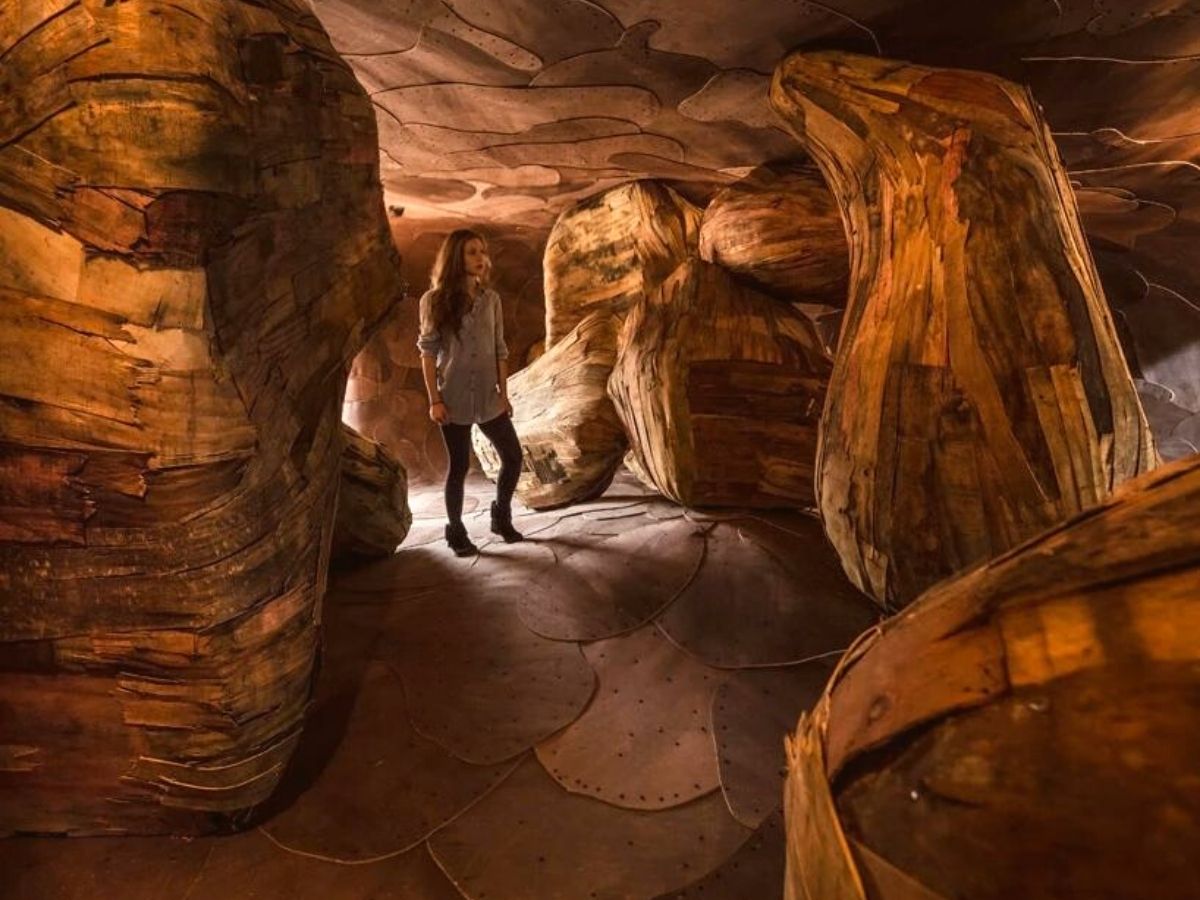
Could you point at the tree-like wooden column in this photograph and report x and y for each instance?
(780, 228)
(571, 436)
(1028, 729)
(192, 246)
(612, 249)
(979, 393)
(720, 390)
(372, 511)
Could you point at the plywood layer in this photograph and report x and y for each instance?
(780, 228)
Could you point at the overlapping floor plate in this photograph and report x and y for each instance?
(750, 607)
(246, 865)
(751, 713)
(644, 742)
(529, 838)
(754, 872)
(386, 788)
(477, 680)
(613, 586)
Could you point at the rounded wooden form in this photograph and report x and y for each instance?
(1028, 729)
(720, 389)
(372, 509)
(192, 246)
(571, 437)
(979, 394)
(610, 250)
(780, 228)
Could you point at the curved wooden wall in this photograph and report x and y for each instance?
(192, 246)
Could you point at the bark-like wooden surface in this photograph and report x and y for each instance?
(720, 389)
(571, 436)
(1045, 744)
(372, 512)
(192, 246)
(780, 228)
(609, 251)
(980, 394)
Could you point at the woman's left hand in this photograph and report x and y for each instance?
(507, 406)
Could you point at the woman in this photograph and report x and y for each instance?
(465, 364)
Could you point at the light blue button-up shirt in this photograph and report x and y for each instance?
(466, 362)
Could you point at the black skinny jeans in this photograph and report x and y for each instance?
(457, 439)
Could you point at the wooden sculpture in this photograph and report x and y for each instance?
(372, 511)
(720, 390)
(192, 245)
(780, 228)
(570, 433)
(1028, 729)
(979, 394)
(613, 248)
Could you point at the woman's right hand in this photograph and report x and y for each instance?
(439, 413)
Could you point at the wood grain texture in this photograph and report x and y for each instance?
(780, 228)
(372, 509)
(1045, 744)
(720, 389)
(192, 247)
(571, 436)
(980, 394)
(612, 249)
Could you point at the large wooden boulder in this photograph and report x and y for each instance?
(780, 228)
(192, 246)
(572, 438)
(1029, 729)
(979, 394)
(720, 390)
(372, 511)
(610, 250)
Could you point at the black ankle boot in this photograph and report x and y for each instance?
(503, 526)
(456, 537)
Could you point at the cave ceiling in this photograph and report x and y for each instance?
(508, 111)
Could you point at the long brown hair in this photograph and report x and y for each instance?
(448, 280)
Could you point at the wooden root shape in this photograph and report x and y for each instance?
(372, 513)
(979, 393)
(570, 434)
(779, 228)
(720, 389)
(1029, 729)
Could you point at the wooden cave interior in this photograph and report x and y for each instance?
(855, 354)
